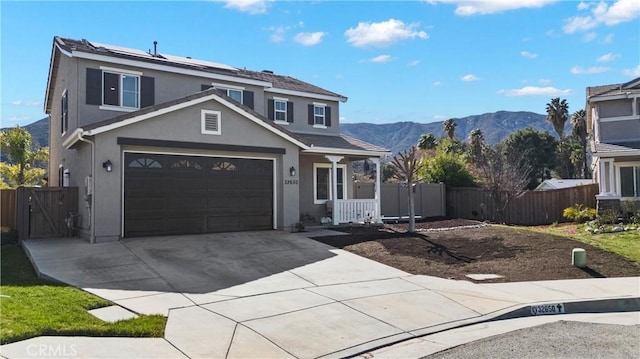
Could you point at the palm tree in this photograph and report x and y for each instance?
(579, 122)
(476, 142)
(427, 141)
(450, 127)
(557, 115)
(17, 145)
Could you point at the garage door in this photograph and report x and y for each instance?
(172, 194)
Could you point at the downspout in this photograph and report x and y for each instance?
(89, 197)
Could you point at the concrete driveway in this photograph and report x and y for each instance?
(275, 294)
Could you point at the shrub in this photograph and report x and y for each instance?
(608, 216)
(579, 213)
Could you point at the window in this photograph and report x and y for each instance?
(64, 113)
(210, 122)
(322, 182)
(121, 90)
(630, 181)
(144, 163)
(235, 94)
(318, 115)
(280, 108)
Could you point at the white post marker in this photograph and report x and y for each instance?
(579, 257)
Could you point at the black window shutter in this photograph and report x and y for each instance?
(289, 111)
(222, 92)
(270, 106)
(111, 89)
(147, 91)
(247, 97)
(311, 115)
(205, 87)
(94, 87)
(327, 116)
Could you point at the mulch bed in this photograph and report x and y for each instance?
(517, 255)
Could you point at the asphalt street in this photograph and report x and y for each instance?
(563, 339)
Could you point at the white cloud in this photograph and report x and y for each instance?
(413, 63)
(381, 34)
(583, 6)
(25, 103)
(528, 54)
(577, 70)
(544, 81)
(252, 7)
(470, 7)
(534, 91)
(309, 38)
(439, 117)
(607, 57)
(609, 15)
(278, 33)
(590, 36)
(17, 119)
(437, 83)
(633, 72)
(608, 39)
(470, 77)
(381, 59)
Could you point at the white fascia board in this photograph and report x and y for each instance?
(260, 122)
(53, 53)
(342, 151)
(619, 118)
(72, 138)
(616, 154)
(622, 96)
(168, 68)
(305, 94)
(145, 116)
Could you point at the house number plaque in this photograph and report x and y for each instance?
(291, 181)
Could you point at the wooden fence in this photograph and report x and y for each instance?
(532, 208)
(429, 198)
(8, 208)
(46, 212)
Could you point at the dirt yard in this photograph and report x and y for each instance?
(517, 255)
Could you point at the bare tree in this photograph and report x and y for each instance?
(407, 166)
(505, 175)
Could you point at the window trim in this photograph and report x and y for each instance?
(203, 129)
(121, 73)
(324, 115)
(315, 181)
(64, 112)
(276, 111)
(238, 90)
(634, 165)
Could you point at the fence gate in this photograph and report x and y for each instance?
(46, 212)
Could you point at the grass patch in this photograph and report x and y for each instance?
(625, 244)
(30, 307)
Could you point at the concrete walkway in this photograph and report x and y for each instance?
(279, 295)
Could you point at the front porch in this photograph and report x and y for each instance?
(618, 179)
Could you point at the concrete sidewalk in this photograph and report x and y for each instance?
(313, 301)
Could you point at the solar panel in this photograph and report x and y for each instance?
(121, 50)
(193, 62)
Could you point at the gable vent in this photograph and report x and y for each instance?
(210, 122)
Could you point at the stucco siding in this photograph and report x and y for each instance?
(615, 108)
(185, 125)
(307, 205)
(301, 114)
(620, 131)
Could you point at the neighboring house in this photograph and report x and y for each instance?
(161, 144)
(551, 184)
(613, 122)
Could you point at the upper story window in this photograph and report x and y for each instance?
(319, 115)
(280, 110)
(235, 94)
(64, 112)
(116, 89)
(238, 94)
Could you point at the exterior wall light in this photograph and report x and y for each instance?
(107, 165)
(292, 171)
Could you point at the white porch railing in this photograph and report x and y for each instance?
(355, 210)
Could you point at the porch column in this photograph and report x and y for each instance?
(334, 185)
(601, 177)
(612, 185)
(376, 196)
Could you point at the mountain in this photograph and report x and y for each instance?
(39, 131)
(402, 135)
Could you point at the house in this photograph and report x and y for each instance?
(554, 183)
(613, 122)
(161, 144)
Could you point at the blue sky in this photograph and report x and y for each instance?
(418, 61)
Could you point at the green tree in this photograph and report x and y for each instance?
(448, 168)
(579, 122)
(451, 145)
(449, 127)
(407, 166)
(427, 141)
(17, 144)
(537, 150)
(476, 143)
(557, 115)
(569, 158)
